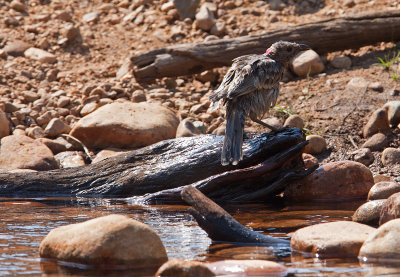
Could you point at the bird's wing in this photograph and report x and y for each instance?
(254, 72)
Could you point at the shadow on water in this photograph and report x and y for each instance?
(25, 222)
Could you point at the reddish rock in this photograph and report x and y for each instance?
(369, 212)
(16, 48)
(247, 268)
(106, 153)
(331, 240)
(309, 160)
(70, 159)
(383, 190)
(383, 245)
(56, 145)
(390, 156)
(294, 121)
(125, 125)
(391, 209)
(4, 125)
(24, 152)
(107, 240)
(181, 268)
(333, 181)
(378, 122)
(377, 142)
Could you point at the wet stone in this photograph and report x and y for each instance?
(383, 190)
(369, 212)
(181, 268)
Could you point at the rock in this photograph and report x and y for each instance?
(205, 18)
(383, 245)
(378, 122)
(357, 84)
(391, 209)
(369, 212)
(294, 121)
(186, 128)
(138, 96)
(90, 17)
(35, 132)
(218, 29)
(316, 144)
(107, 153)
(307, 62)
(309, 160)
(71, 32)
(341, 239)
(16, 48)
(181, 268)
(167, 7)
(40, 55)
(334, 181)
(383, 190)
(108, 240)
(89, 108)
(18, 6)
(390, 156)
(4, 125)
(341, 62)
(247, 268)
(56, 145)
(276, 5)
(207, 76)
(56, 127)
(125, 125)
(376, 86)
(26, 153)
(70, 159)
(124, 69)
(63, 15)
(364, 156)
(393, 112)
(186, 8)
(377, 142)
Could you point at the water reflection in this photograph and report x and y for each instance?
(25, 222)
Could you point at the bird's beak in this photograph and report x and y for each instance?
(304, 47)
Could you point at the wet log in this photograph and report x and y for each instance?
(164, 165)
(347, 32)
(220, 225)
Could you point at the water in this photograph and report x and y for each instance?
(25, 222)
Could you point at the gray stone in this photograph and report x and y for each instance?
(187, 128)
(364, 156)
(307, 62)
(205, 18)
(90, 17)
(341, 62)
(390, 156)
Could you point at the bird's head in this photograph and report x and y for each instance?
(284, 51)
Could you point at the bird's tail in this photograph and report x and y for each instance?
(232, 147)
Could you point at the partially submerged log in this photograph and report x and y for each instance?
(221, 226)
(164, 165)
(334, 34)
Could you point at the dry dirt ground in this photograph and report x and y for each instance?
(109, 37)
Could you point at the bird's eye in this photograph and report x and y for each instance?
(289, 49)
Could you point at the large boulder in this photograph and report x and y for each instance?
(25, 153)
(125, 125)
(107, 240)
(331, 240)
(383, 245)
(333, 181)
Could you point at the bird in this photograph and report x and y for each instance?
(249, 89)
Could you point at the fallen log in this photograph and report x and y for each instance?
(259, 182)
(164, 165)
(334, 34)
(221, 226)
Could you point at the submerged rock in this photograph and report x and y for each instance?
(181, 268)
(108, 240)
(332, 240)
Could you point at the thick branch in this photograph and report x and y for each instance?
(323, 36)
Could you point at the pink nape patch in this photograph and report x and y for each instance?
(268, 51)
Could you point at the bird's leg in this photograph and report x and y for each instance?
(272, 128)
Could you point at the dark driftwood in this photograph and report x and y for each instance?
(165, 165)
(323, 36)
(221, 226)
(258, 182)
